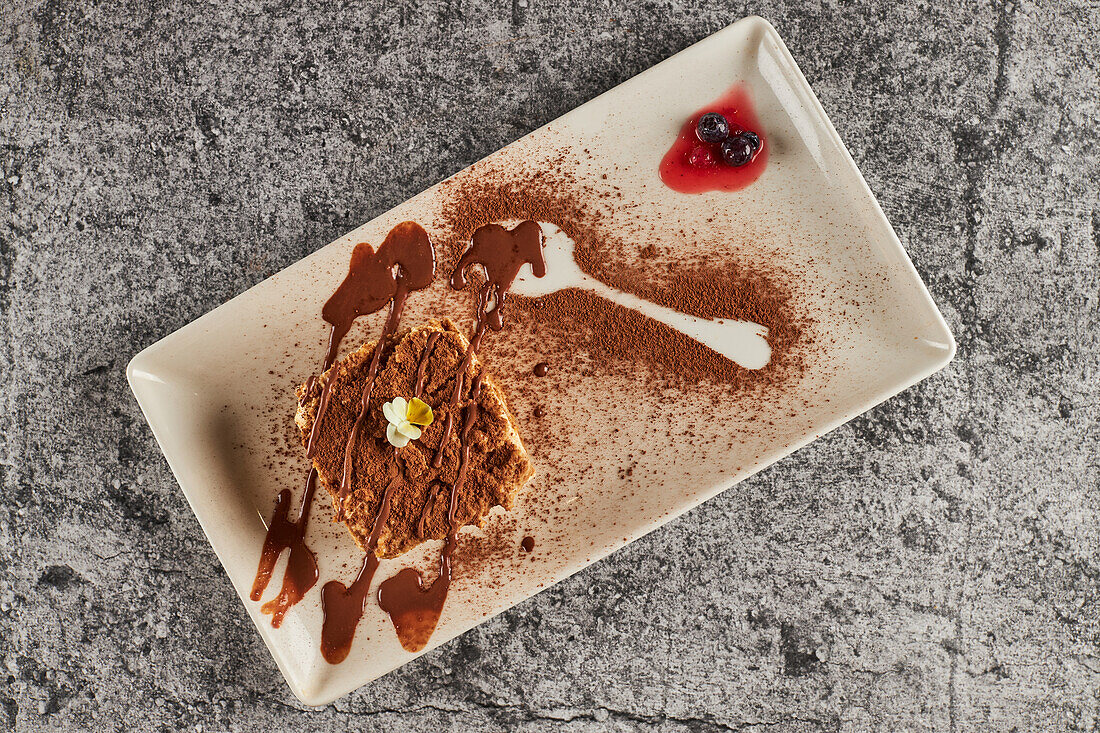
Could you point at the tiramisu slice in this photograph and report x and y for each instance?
(498, 465)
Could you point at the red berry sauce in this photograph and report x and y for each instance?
(691, 166)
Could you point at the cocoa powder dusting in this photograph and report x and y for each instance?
(407, 505)
(485, 194)
(618, 338)
(418, 510)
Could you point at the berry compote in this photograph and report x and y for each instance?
(695, 166)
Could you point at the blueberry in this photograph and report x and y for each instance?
(754, 139)
(712, 128)
(737, 151)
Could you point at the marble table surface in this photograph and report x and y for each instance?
(932, 565)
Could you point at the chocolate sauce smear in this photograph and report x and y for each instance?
(501, 253)
(301, 568)
(406, 258)
(414, 609)
(404, 262)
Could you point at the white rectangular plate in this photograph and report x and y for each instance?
(218, 392)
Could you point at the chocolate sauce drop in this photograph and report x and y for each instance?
(404, 262)
(541, 369)
(528, 544)
(539, 412)
(414, 609)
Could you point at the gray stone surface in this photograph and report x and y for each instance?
(933, 565)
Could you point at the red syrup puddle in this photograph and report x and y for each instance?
(404, 262)
(414, 609)
(677, 170)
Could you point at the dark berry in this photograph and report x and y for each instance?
(702, 157)
(754, 139)
(737, 151)
(712, 128)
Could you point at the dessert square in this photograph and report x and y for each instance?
(498, 464)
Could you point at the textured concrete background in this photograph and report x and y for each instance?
(933, 565)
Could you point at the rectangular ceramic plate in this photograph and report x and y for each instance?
(218, 392)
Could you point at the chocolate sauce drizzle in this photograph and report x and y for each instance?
(405, 262)
(426, 507)
(418, 388)
(414, 609)
(429, 497)
(500, 253)
(343, 605)
(301, 569)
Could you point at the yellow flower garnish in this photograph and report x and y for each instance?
(419, 413)
(403, 418)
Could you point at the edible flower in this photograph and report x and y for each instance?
(405, 420)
